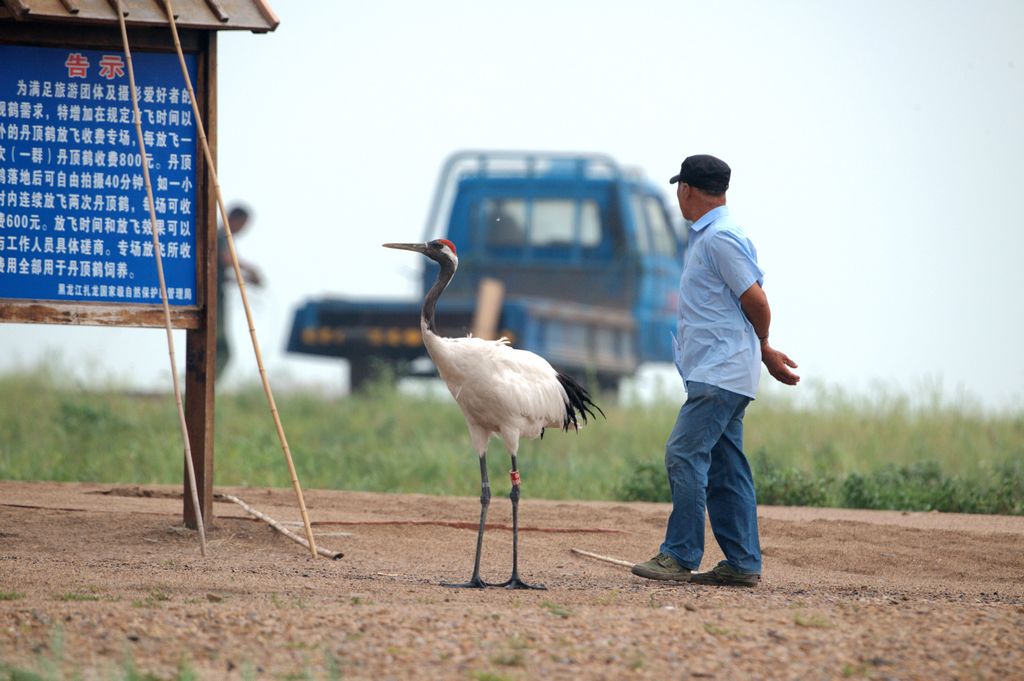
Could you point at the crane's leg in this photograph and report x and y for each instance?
(485, 499)
(514, 581)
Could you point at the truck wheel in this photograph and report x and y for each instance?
(609, 383)
(361, 373)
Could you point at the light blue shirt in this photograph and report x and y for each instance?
(715, 342)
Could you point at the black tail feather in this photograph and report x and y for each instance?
(579, 405)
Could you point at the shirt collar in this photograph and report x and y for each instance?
(710, 217)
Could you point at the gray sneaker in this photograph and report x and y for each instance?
(723, 574)
(662, 567)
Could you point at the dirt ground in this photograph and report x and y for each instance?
(97, 579)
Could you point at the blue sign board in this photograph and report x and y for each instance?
(74, 217)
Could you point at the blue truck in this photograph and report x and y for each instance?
(568, 255)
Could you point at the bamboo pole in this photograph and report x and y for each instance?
(241, 282)
(326, 553)
(163, 285)
(605, 559)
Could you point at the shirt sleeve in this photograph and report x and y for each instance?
(735, 261)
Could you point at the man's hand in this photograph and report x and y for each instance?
(779, 364)
(251, 274)
(755, 306)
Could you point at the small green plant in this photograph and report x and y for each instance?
(812, 621)
(647, 481)
(609, 598)
(49, 663)
(490, 676)
(332, 666)
(512, 658)
(76, 597)
(185, 671)
(131, 673)
(556, 609)
(152, 599)
(787, 485)
(715, 630)
(850, 670)
(518, 643)
(11, 595)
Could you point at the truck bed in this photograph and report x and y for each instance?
(578, 339)
(338, 327)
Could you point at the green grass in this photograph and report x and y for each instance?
(882, 452)
(152, 599)
(557, 610)
(490, 676)
(715, 630)
(52, 666)
(813, 621)
(73, 597)
(52, 662)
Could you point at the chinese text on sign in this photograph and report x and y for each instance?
(74, 218)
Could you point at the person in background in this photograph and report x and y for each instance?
(238, 222)
(722, 339)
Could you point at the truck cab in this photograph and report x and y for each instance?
(586, 254)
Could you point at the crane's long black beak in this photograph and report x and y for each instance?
(419, 248)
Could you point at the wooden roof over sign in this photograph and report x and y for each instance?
(210, 15)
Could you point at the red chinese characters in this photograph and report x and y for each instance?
(111, 66)
(77, 65)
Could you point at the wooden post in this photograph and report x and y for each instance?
(201, 343)
(489, 299)
(200, 355)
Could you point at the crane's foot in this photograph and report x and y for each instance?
(516, 583)
(474, 583)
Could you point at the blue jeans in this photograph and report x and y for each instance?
(707, 468)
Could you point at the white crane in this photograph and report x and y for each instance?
(501, 391)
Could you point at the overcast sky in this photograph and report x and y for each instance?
(877, 152)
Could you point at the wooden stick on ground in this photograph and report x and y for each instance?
(163, 285)
(241, 283)
(606, 559)
(298, 523)
(333, 555)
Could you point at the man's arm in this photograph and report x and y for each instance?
(755, 306)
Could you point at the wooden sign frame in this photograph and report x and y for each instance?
(199, 320)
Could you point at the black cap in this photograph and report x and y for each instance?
(704, 172)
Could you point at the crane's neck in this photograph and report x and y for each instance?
(430, 302)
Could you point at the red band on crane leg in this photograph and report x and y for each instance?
(515, 478)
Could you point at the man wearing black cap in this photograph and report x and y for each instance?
(721, 341)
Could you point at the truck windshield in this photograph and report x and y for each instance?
(513, 221)
(654, 230)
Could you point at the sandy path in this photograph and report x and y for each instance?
(846, 593)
